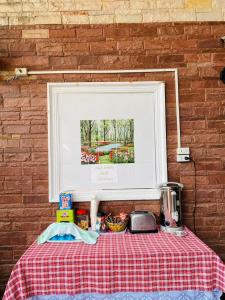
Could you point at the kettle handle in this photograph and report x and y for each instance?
(171, 182)
(178, 183)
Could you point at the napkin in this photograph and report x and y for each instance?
(88, 237)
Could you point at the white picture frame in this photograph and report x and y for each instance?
(69, 103)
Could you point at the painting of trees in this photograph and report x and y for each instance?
(107, 141)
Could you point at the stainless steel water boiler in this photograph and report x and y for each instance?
(170, 214)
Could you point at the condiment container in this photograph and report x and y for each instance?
(65, 201)
(100, 222)
(64, 215)
(82, 218)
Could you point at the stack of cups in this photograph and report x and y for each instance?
(94, 211)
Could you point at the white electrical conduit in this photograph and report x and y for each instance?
(19, 72)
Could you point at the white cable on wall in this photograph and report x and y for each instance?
(24, 72)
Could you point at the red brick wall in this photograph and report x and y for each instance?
(195, 49)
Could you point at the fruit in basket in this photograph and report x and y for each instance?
(117, 223)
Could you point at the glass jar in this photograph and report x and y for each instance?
(82, 218)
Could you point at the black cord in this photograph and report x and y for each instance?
(195, 198)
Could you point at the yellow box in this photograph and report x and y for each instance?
(64, 215)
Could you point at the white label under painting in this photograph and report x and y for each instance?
(104, 174)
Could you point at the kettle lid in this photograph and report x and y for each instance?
(172, 185)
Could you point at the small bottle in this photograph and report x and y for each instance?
(100, 222)
(82, 218)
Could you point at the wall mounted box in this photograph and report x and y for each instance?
(64, 215)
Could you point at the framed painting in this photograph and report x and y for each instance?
(107, 139)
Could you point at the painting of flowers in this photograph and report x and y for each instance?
(107, 141)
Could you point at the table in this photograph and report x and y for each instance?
(143, 263)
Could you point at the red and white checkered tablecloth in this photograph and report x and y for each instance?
(117, 263)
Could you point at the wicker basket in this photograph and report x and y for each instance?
(117, 227)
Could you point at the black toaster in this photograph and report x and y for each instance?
(142, 222)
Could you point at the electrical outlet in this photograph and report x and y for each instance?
(183, 151)
(183, 158)
(21, 71)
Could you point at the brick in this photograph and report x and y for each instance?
(13, 143)
(203, 57)
(40, 212)
(116, 32)
(217, 124)
(88, 32)
(4, 20)
(151, 44)
(62, 33)
(33, 89)
(215, 96)
(5, 226)
(129, 18)
(74, 18)
(198, 4)
(144, 30)
(147, 61)
(133, 46)
(184, 44)
(3, 50)
(40, 156)
(6, 254)
(16, 102)
(33, 115)
(9, 116)
(11, 63)
(18, 253)
(14, 186)
(40, 186)
(17, 129)
(25, 226)
(49, 48)
(210, 43)
(176, 58)
(101, 19)
(65, 62)
(22, 47)
(10, 199)
(6, 270)
(209, 16)
(13, 91)
(171, 30)
(103, 48)
(10, 7)
(33, 61)
(60, 5)
(38, 129)
(218, 57)
(217, 179)
(17, 238)
(88, 5)
(208, 72)
(147, 4)
(88, 60)
(76, 48)
(217, 29)
(35, 33)
(35, 199)
(37, 103)
(16, 157)
(36, 143)
(47, 18)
